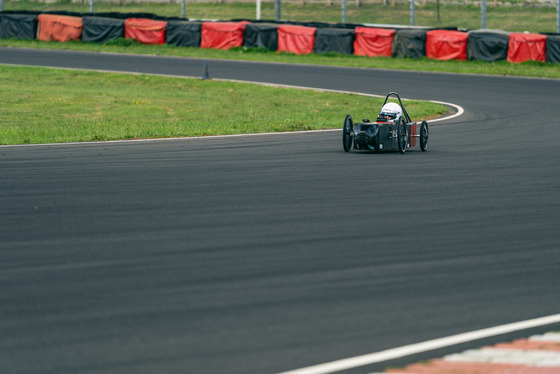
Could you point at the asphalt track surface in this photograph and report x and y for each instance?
(262, 254)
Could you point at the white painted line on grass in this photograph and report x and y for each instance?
(459, 109)
(459, 113)
(407, 350)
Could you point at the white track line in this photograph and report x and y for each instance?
(459, 109)
(407, 350)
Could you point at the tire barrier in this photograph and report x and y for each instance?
(144, 30)
(487, 45)
(553, 48)
(446, 45)
(329, 40)
(222, 35)
(373, 42)
(409, 43)
(296, 39)
(18, 26)
(526, 47)
(261, 35)
(102, 29)
(184, 33)
(52, 27)
(292, 37)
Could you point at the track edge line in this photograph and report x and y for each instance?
(429, 345)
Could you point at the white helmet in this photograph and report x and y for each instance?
(393, 110)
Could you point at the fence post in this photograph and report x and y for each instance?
(277, 10)
(411, 12)
(258, 10)
(182, 8)
(90, 6)
(558, 16)
(344, 11)
(1, 5)
(483, 16)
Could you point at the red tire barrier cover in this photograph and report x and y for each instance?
(373, 42)
(144, 30)
(222, 35)
(296, 39)
(446, 45)
(52, 27)
(525, 47)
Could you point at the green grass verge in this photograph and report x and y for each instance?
(526, 69)
(41, 105)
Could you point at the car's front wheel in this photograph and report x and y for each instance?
(402, 136)
(424, 134)
(347, 133)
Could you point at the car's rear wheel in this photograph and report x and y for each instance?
(424, 134)
(402, 136)
(347, 133)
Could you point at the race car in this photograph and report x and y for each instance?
(393, 130)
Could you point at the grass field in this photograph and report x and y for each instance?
(41, 105)
(510, 18)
